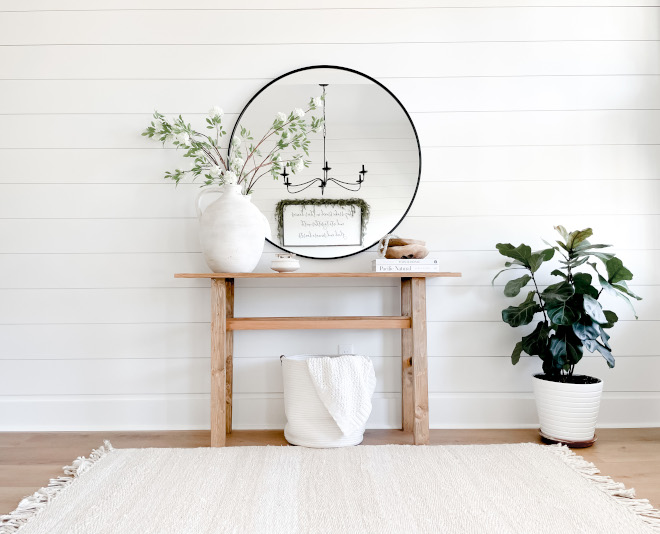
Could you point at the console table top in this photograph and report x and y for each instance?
(317, 275)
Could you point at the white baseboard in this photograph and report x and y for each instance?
(266, 411)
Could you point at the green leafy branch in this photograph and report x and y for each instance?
(290, 131)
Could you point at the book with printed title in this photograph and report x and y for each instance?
(409, 265)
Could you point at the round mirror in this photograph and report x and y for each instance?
(342, 163)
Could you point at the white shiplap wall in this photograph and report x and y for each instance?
(530, 114)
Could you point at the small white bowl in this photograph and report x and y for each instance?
(285, 263)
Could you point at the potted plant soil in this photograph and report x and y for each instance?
(571, 319)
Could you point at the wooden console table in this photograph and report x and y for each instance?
(412, 322)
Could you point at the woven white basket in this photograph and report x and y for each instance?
(308, 421)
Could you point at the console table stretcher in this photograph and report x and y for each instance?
(412, 322)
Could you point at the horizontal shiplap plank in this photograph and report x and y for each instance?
(378, 60)
(446, 303)
(433, 95)
(155, 376)
(183, 304)
(156, 270)
(483, 232)
(177, 341)
(191, 340)
(530, 198)
(182, 235)
(497, 339)
(158, 5)
(354, 26)
(463, 303)
(264, 375)
(179, 412)
(91, 201)
(434, 129)
(172, 412)
(439, 164)
(80, 341)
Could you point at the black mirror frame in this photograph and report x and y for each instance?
(412, 124)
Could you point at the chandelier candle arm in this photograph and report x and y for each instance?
(349, 186)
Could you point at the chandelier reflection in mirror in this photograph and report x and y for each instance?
(323, 182)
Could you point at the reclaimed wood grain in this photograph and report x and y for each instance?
(317, 275)
(407, 409)
(419, 362)
(229, 354)
(313, 323)
(218, 360)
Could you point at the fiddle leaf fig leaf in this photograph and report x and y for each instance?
(535, 261)
(521, 253)
(611, 290)
(547, 253)
(559, 292)
(513, 287)
(565, 347)
(593, 346)
(557, 272)
(602, 256)
(514, 262)
(585, 332)
(562, 231)
(585, 245)
(536, 343)
(582, 283)
(564, 313)
(509, 269)
(517, 351)
(553, 247)
(623, 288)
(616, 272)
(594, 310)
(522, 314)
(577, 237)
(611, 319)
(576, 263)
(604, 336)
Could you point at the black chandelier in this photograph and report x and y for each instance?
(350, 186)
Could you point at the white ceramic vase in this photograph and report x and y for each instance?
(231, 230)
(567, 412)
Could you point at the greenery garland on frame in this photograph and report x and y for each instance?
(353, 202)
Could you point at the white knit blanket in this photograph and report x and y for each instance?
(345, 385)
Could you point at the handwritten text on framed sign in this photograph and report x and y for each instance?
(316, 224)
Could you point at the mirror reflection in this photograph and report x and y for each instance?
(355, 177)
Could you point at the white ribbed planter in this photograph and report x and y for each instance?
(567, 412)
(308, 422)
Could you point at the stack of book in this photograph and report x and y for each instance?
(426, 265)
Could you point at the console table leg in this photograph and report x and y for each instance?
(407, 409)
(218, 358)
(229, 361)
(420, 363)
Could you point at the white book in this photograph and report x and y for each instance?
(405, 261)
(429, 268)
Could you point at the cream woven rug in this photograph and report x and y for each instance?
(523, 488)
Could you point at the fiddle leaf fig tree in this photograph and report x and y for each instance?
(572, 318)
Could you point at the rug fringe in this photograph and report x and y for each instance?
(31, 505)
(626, 497)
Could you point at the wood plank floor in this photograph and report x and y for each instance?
(29, 459)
